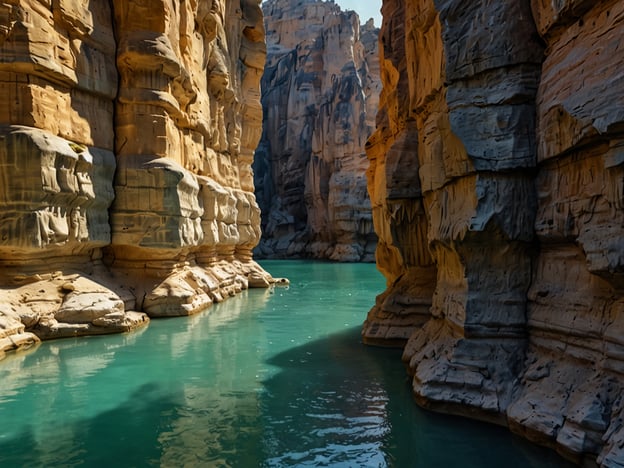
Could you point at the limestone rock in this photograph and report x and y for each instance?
(190, 118)
(88, 307)
(18, 342)
(127, 133)
(10, 323)
(58, 305)
(495, 182)
(54, 199)
(319, 96)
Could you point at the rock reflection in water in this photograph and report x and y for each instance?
(263, 379)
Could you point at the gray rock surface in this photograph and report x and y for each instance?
(496, 190)
(319, 98)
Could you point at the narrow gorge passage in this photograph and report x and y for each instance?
(472, 148)
(270, 379)
(320, 92)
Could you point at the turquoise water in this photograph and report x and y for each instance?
(263, 379)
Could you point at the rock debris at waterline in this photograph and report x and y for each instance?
(126, 141)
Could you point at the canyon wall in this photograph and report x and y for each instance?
(319, 98)
(497, 194)
(127, 132)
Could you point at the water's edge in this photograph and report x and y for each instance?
(267, 378)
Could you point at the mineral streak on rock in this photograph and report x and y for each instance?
(320, 91)
(127, 132)
(496, 186)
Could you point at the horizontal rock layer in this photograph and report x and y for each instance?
(127, 132)
(496, 188)
(319, 97)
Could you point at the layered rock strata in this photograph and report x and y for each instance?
(574, 367)
(319, 97)
(127, 132)
(495, 181)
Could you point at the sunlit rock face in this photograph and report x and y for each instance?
(495, 179)
(188, 120)
(127, 132)
(320, 93)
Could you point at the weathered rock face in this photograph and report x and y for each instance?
(575, 316)
(319, 97)
(496, 184)
(149, 111)
(184, 206)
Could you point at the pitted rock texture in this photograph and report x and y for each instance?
(496, 186)
(319, 97)
(127, 132)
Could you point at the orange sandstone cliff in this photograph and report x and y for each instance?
(496, 184)
(127, 132)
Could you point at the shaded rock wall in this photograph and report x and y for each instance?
(127, 132)
(495, 181)
(319, 98)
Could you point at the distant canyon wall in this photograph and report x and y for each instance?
(496, 182)
(320, 95)
(127, 132)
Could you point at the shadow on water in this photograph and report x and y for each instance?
(262, 379)
(127, 435)
(331, 402)
(151, 429)
(330, 405)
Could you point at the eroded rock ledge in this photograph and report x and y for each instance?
(319, 97)
(496, 185)
(127, 132)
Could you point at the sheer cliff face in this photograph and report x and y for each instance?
(148, 111)
(496, 184)
(319, 97)
(188, 118)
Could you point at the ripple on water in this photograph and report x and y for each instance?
(263, 379)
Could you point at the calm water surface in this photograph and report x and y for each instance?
(265, 379)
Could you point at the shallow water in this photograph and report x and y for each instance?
(263, 379)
